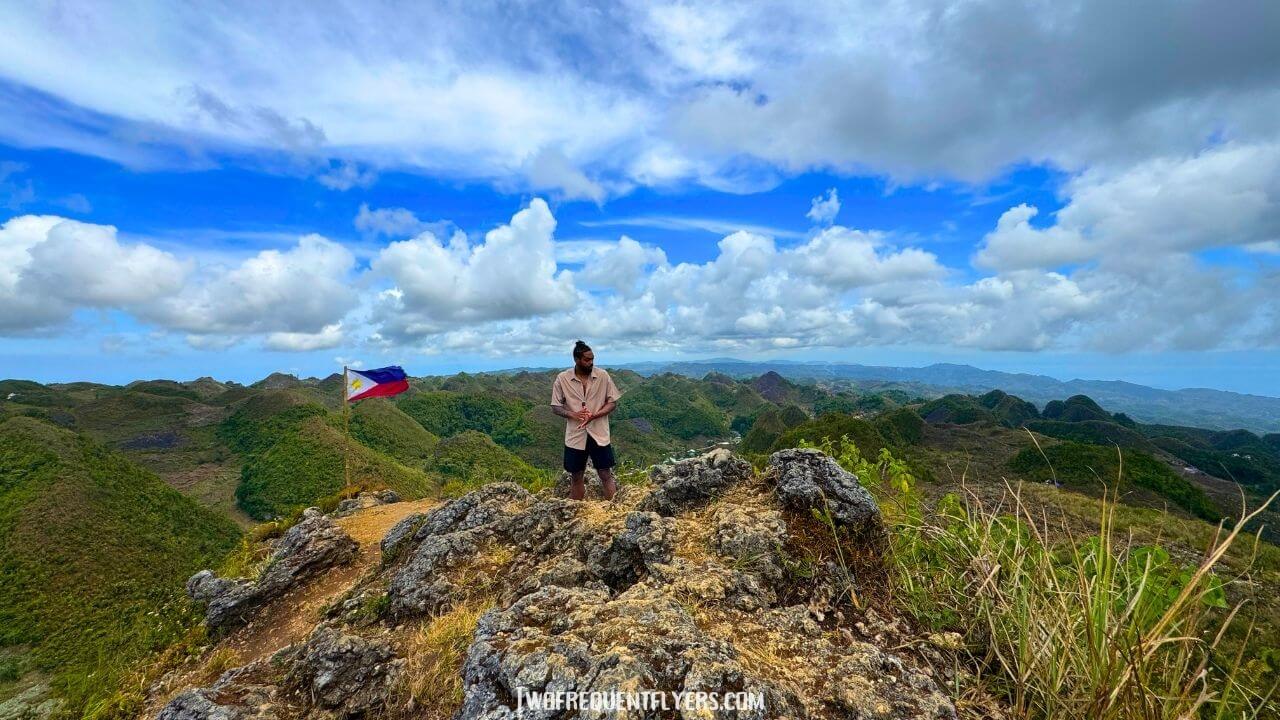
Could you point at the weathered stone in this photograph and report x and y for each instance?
(647, 541)
(479, 507)
(196, 705)
(563, 639)
(344, 673)
(365, 500)
(753, 540)
(304, 551)
(399, 536)
(807, 478)
(688, 484)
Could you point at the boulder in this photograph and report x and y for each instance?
(366, 500)
(689, 484)
(347, 674)
(446, 537)
(808, 479)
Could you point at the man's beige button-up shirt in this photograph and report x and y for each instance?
(570, 392)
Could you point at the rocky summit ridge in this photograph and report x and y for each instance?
(688, 583)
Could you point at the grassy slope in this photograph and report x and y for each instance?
(95, 551)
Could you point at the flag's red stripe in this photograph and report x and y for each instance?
(382, 390)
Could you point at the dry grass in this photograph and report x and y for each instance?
(432, 687)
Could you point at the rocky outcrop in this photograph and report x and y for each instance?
(807, 479)
(304, 551)
(243, 693)
(688, 484)
(347, 674)
(366, 500)
(689, 585)
(447, 536)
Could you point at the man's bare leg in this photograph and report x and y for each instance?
(577, 488)
(607, 485)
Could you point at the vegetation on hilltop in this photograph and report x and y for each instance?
(94, 555)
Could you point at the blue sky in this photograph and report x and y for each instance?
(1081, 191)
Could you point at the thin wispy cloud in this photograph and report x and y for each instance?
(714, 226)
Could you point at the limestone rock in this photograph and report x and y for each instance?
(305, 550)
(807, 478)
(347, 674)
(366, 500)
(688, 484)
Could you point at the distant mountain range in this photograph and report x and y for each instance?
(1200, 407)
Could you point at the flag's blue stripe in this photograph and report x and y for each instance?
(391, 373)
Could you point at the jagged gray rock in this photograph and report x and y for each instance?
(237, 694)
(688, 484)
(447, 536)
(576, 639)
(305, 550)
(365, 500)
(399, 535)
(647, 541)
(638, 594)
(752, 538)
(807, 478)
(196, 705)
(347, 674)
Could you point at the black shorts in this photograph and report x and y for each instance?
(601, 456)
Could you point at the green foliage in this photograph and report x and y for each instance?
(955, 410)
(1094, 628)
(1009, 410)
(859, 432)
(471, 459)
(307, 464)
(1240, 456)
(26, 392)
(1096, 432)
(1094, 466)
(261, 420)
(847, 403)
(770, 425)
(675, 405)
(900, 427)
(379, 424)
(446, 413)
(1077, 408)
(167, 388)
(94, 552)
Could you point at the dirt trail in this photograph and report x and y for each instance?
(291, 617)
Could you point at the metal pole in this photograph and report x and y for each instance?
(346, 431)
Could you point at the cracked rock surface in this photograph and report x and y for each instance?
(693, 582)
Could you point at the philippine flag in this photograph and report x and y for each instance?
(382, 382)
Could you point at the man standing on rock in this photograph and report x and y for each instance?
(584, 396)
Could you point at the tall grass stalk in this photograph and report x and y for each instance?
(1065, 626)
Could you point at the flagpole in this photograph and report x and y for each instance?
(346, 431)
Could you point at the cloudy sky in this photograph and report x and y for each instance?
(1080, 189)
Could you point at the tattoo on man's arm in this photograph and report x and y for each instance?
(562, 411)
